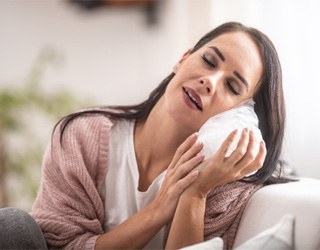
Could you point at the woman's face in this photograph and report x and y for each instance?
(221, 75)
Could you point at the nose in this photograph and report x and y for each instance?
(208, 84)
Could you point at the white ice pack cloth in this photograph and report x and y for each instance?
(217, 128)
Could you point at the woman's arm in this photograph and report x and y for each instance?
(69, 208)
(188, 222)
(137, 231)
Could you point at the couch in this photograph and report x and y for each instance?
(268, 205)
(277, 217)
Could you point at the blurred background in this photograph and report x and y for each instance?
(58, 56)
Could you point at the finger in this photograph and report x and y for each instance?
(258, 162)
(182, 170)
(223, 149)
(249, 155)
(185, 182)
(188, 166)
(183, 148)
(241, 148)
(190, 153)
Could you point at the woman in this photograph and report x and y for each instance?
(135, 176)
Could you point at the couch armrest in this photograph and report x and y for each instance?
(270, 203)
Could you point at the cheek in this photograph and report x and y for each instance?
(219, 105)
(188, 70)
(175, 83)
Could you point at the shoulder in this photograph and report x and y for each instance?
(82, 127)
(234, 194)
(82, 139)
(224, 208)
(86, 122)
(79, 150)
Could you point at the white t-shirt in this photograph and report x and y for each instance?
(122, 196)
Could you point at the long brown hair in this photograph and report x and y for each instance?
(269, 107)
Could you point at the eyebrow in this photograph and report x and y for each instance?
(240, 77)
(218, 52)
(236, 73)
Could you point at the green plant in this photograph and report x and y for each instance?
(22, 112)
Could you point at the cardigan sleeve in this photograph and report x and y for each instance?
(224, 209)
(68, 207)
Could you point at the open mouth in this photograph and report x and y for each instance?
(194, 98)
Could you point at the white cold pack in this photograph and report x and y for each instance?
(217, 128)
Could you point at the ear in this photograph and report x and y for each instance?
(184, 57)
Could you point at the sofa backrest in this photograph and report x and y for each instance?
(270, 203)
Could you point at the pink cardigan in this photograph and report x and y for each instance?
(70, 207)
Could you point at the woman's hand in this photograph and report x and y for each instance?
(219, 169)
(180, 175)
(137, 230)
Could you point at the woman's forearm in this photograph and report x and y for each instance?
(188, 222)
(135, 232)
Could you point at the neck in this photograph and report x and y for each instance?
(156, 141)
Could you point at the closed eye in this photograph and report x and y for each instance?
(232, 89)
(207, 61)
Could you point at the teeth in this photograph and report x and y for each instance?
(192, 99)
(191, 96)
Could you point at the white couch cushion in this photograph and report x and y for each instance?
(213, 244)
(269, 204)
(279, 237)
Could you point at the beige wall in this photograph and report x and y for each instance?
(113, 56)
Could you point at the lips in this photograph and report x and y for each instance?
(193, 98)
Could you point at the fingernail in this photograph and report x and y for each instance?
(200, 155)
(195, 173)
(193, 137)
(199, 143)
